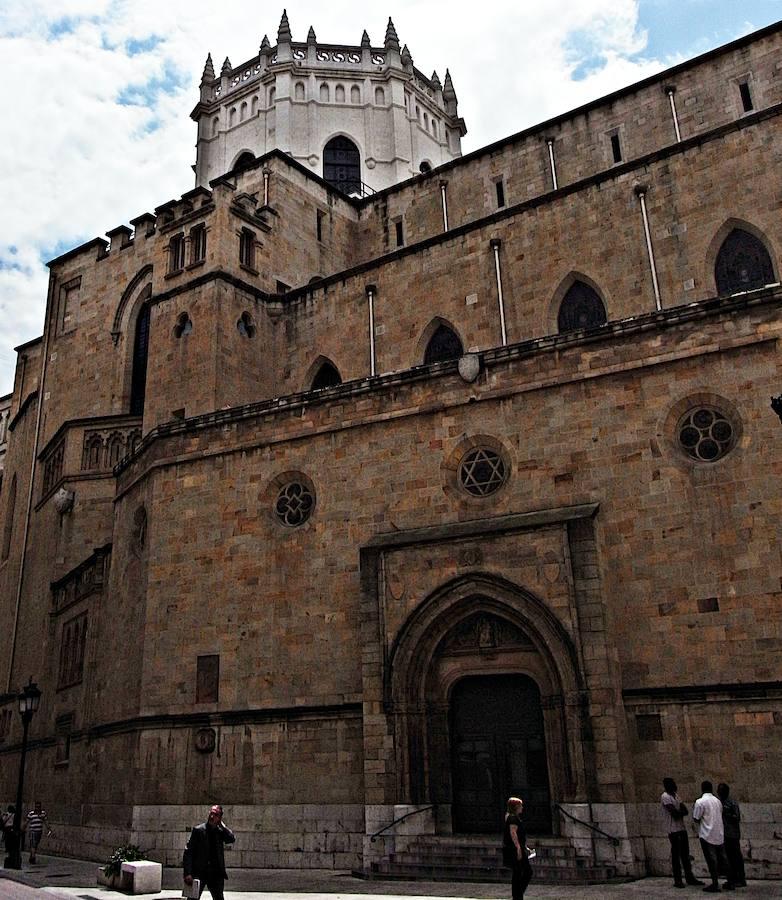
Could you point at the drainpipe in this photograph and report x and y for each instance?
(670, 91)
(49, 324)
(550, 143)
(495, 245)
(640, 192)
(443, 186)
(371, 291)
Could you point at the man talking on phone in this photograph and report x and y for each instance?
(204, 856)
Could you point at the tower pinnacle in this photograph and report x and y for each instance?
(392, 40)
(209, 70)
(226, 70)
(284, 31)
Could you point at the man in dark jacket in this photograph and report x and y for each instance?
(204, 856)
(731, 818)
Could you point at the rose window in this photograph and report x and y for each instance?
(706, 435)
(294, 504)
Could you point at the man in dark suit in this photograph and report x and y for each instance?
(204, 856)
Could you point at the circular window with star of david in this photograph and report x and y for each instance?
(481, 472)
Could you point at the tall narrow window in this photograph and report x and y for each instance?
(581, 307)
(247, 248)
(444, 344)
(176, 253)
(319, 225)
(208, 679)
(197, 244)
(342, 165)
(616, 148)
(743, 263)
(10, 511)
(68, 303)
(500, 187)
(72, 651)
(400, 234)
(138, 383)
(746, 96)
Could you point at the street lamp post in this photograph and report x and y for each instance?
(29, 699)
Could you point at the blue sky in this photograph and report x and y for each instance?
(99, 94)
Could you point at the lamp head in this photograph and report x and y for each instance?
(29, 698)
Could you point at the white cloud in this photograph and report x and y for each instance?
(77, 161)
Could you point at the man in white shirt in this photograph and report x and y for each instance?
(707, 812)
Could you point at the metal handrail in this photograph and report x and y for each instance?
(397, 821)
(614, 840)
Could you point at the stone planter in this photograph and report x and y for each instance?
(109, 881)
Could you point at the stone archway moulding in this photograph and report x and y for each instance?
(398, 665)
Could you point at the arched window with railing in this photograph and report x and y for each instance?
(342, 165)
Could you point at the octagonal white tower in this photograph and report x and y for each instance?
(362, 117)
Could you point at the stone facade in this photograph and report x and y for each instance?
(306, 484)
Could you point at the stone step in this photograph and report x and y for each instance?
(424, 855)
(488, 850)
(387, 870)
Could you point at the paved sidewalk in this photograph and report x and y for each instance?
(73, 879)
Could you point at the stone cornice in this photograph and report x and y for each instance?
(701, 693)
(481, 527)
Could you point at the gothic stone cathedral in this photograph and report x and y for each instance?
(368, 479)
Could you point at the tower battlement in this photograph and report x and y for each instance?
(362, 116)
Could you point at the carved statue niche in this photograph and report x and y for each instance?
(485, 633)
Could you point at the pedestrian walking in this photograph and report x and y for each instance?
(675, 812)
(515, 853)
(7, 821)
(707, 813)
(731, 819)
(36, 822)
(204, 856)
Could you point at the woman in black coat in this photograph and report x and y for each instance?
(514, 848)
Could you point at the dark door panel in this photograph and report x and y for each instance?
(499, 751)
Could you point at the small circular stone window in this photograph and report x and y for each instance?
(706, 434)
(294, 504)
(482, 472)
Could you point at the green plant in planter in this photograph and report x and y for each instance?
(125, 853)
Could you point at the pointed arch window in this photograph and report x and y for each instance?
(444, 344)
(10, 511)
(138, 383)
(743, 263)
(326, 376)
(245, 160)
(342, 165)
(581, 307)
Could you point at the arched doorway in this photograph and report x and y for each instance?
(498, 750)
(342, 165)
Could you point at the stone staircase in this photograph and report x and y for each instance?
(478, 858)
